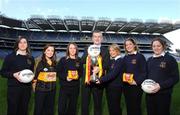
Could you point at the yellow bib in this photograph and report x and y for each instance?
(73, 74)
(128, 77)
(47, 76)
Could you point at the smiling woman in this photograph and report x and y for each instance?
(163, 69)
(13, 64)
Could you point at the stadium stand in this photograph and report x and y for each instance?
(60, 32)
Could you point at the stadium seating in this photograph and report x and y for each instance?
(60, 40)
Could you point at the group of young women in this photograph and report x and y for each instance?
(119, 75)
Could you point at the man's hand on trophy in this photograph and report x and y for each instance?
(95, 69)
(98, 81)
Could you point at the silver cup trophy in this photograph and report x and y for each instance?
(94, 52)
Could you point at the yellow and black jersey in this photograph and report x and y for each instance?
(46, 76)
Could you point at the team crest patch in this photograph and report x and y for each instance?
(112, 66)
(29, 62)
(77, 64)
(133, 61)
(163, 65)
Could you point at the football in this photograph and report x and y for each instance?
(94, 50)
(26, 76)
(148, 85)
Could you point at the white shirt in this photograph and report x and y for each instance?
(97, 45)
(162, 54)
(135, 52)
(18, 52)
(117, 57)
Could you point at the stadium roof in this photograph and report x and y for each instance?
(55, 23)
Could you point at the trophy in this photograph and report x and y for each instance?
(94, 52)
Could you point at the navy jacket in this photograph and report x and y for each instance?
(136, 64)
(114, 75)
(15, 63)
(163, 70)
(69, 64)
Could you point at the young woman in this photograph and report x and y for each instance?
(134, 74)
(18, 93)
(163, 69)
(113, 80)
(45, 82)
(69, 71)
